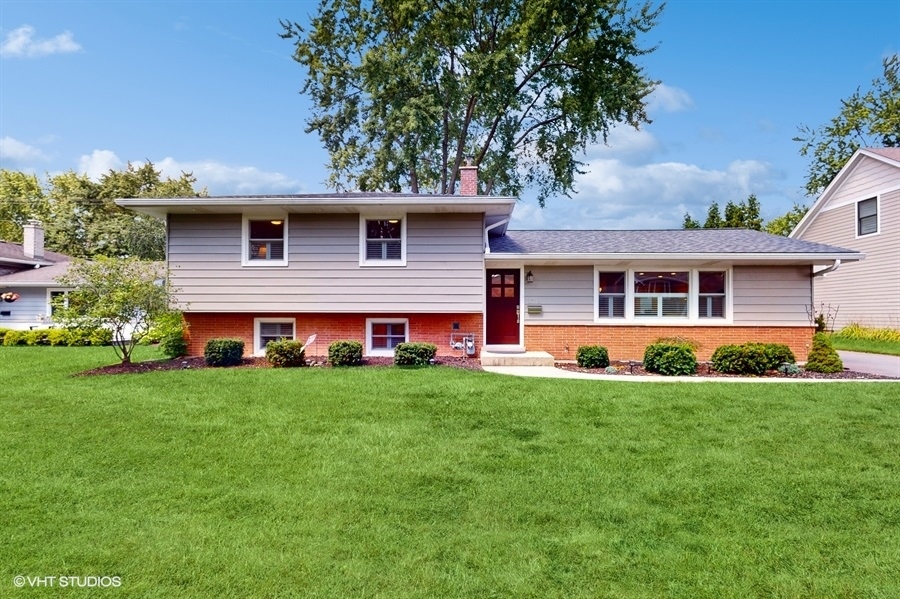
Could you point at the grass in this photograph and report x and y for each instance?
(442, 483)
(871, 346)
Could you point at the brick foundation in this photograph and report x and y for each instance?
(432, 328)
(629, 342)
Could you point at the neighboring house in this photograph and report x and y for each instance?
(29, 272)
(388, 268)
(860, 209)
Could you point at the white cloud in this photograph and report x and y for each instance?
(669, 99)
(223, 179)
(21, 43)
(625, 140)
(13, 149)
(98, 163)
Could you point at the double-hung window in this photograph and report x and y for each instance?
(382, 241)
(265, 241)
(711, 294)
(867, 217)
(611, 294)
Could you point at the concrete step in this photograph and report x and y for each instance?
(527, 358)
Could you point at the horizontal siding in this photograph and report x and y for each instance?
(773, 295)
(565, 294)
(444, 268)
(868, 178)
(27, 311)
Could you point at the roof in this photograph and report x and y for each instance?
(30, 271)
(13, 252)
(36, 277)
(717, 244)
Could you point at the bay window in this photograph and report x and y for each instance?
(670, 295)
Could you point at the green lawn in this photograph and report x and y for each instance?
(872, 346)
(442, 483)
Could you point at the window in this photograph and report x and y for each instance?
(661, 294)
(265, 241)
(383, 241)
(271, 329)
(711, 295)
(383, 335)
(611, 293)
(53, 300)
(867, 217)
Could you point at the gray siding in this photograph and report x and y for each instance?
(26, 311)
(771, 295)
(444, 269)
(565, 294)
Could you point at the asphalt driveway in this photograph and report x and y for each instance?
(871, 363)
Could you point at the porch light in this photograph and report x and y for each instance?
(277, 222)
(529, 277)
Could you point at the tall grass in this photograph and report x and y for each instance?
(855, 337)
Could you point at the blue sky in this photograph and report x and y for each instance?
(209, 87)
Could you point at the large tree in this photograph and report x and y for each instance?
(404, 90)
(866, 119)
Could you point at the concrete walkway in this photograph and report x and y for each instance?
(559, 373)
(871, 363)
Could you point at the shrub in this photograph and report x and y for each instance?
(788, 368)
(751, 358)
(592, 356)
(78, 337)
(36, 337)
(345, 353)
(612, 370)
(777, 354)
(58, 337)
(174, 345)
(285, 353)
(100, 337)
(3, 334)
(822, 357)
(414, 354)
(224, 352)
(670, 359)
(694, 345)
(14, 338)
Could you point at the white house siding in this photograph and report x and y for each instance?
(772, 295)
(565, 294)
(865, 292)
(444, 269)
(27, 311)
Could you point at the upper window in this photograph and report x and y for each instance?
(383, 241)
(867, 217)
(661, 294)
(611, 293)
(271, 329)
(265, 241)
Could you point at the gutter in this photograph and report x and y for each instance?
(832, 268)
(487, 246)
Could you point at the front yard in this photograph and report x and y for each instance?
(440, 482)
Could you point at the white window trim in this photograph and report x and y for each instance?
(52, 290)
(261, 351)
(362, 240)
(856, 234)
(693, 317)
(245, 240)
(383, 352)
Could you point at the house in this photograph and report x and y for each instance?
(28, 272)
(860, 209)
(387, 268)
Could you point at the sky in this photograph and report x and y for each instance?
(209, 87)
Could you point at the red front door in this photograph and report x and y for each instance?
(502, 307)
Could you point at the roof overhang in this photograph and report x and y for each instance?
(692, 259)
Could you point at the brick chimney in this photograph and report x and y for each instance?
(33, 239)
(468, 178)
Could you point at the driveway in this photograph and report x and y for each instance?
(871, 363)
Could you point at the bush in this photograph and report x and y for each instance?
(174, 345)
(78, 338)
(822, 357)
(224, 352)
(100, 337)
(612, 370)
(3, 334)
(414, 354)
(777, 354)
(670, 359)
(58, 337)
(749, 358)
(36, 337)
(788, 368)
(345, 353)
(592, 356)
(285, 353)
(13, 337)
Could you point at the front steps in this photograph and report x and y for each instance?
(524, 358)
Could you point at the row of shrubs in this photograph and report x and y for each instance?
(66, 337)
(289, 354)
(679, 358)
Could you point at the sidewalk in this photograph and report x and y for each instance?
(871, 363)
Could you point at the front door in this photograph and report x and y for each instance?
(502, 307)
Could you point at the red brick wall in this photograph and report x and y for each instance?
(629, 342)
(433, 328)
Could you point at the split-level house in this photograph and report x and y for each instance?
(388, 268)
(860, 209)
(28, 273)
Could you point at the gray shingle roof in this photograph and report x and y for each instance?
(680, 241)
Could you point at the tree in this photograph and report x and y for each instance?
(744, 215)
(784, 224)
(713, 218)
(21, 199)
(870, 119)
(125, 296)
(689, 222)
(402, 92)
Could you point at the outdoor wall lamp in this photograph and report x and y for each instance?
(529, 277)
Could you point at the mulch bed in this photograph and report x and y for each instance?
(705, 370)
(197, 362)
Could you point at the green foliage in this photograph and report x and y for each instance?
(286, 353)
(124, 296)
(822, 356)
(168, 331)
(21, 199)
(689, 222)
(224, 352)
(713, 218)
(784, 224)
(777, 354)
(3, 334)
(401, 93)
(414, 354)
(100, 336)
(670, 359)
(345, 353)
(592, 356)
(611, 370)
(788, 368)
(866, 119)
(857, 331)
(13, 337)
(58, 337)
(36, 337)
(751, 358)
(745, 215)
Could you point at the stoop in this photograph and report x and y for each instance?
(524, 358)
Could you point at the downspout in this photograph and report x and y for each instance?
(832, 268)
(487, 247)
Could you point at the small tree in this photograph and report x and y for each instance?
(125, 296)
